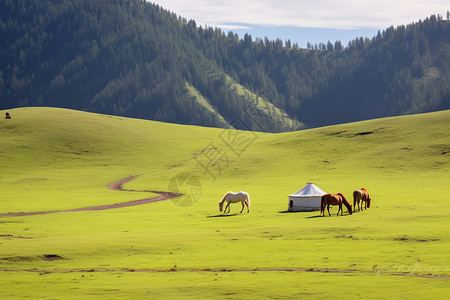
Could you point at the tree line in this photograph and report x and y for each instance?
(133, 58)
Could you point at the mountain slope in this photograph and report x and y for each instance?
(136, 59)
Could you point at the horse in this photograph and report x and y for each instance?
(334, 199)
(231, 197)
(361, 195)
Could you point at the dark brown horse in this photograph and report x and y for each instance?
(363, 196)
(334, 199)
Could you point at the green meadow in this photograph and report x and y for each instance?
(57, 159)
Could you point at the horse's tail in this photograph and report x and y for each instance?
(322, 204)
(346, 203)
(355, 197)
(248, 202)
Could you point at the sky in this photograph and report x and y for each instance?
(303, 21)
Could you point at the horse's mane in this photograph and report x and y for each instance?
(345, 200)
(223, 198)
(363, 189)
(346, 203)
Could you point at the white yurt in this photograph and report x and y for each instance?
(307, 199)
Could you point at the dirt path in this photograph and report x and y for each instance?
(117, 186)
(126, 270)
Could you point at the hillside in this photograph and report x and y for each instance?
(136, 59)
(59, 159)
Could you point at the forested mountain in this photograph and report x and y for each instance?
(133, 58)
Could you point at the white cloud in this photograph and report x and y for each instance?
(343, 14)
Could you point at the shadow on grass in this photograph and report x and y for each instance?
(311, 217)
(302, 212)
(222, 215)
(327, 216)
(297, 212)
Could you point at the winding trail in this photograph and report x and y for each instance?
(117, 186)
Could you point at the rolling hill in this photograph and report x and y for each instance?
(59, 159)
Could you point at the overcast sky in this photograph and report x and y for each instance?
(332, 16)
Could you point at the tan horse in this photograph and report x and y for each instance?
(363, 196)
(231, 197)
(334, 199)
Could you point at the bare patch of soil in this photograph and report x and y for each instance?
(212, 270)
(18, 258)
(10, 236)
(343, 236)
(336, 133)
(364, 133)
(51, 257)
(46, 257)
(407, 239)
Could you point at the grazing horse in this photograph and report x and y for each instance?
(334, 199)
(231, 197)
(361, 195)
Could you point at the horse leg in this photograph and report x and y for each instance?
(242, 206)
(328, 208)
(339, 209)
(323, 205)
(228, 206)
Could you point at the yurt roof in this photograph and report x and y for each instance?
(309, 190)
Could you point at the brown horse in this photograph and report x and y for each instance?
(363, 196)
(334, 199)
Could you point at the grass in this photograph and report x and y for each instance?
(259, 107)
(227, 285)
(195, 96)
(61, 159)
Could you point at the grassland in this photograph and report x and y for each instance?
(55, 159)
